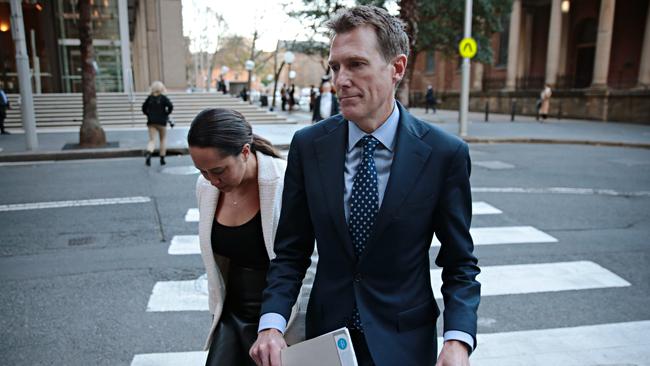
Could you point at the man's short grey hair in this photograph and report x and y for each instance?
(392, 39)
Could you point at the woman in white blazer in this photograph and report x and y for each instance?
(239, 194)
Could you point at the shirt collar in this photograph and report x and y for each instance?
(385, 133)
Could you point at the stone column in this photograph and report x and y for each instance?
(477, 82)
(644, 68)
(554, 42)
(603, 43)
(564, 48)
(513, 45)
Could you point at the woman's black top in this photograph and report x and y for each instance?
(243, 245)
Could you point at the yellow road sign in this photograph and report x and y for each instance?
(467, 47)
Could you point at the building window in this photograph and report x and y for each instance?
(431, 62)
(502, 57)
(106, 40)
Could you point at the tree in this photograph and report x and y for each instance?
(432, 25)
(91, 133)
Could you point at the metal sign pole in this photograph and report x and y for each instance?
(24, 77)
(464, 94)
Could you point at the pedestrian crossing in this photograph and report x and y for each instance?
(573, 346)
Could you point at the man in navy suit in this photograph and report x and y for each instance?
(372, 186)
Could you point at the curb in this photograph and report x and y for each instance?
(129, 153)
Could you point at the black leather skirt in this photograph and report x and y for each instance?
(237, 328)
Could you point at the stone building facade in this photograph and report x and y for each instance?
(153, 45)
(595, 54)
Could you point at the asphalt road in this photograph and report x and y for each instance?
(75, 282)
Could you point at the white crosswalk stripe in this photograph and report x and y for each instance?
(495, 280)
(605, 344)
(192, 215)
(506, 235)
(170, 359)
(184, 245)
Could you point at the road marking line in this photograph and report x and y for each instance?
(192, 215)
(178, 296)
(627, 343)
(170, 359)
(506, 235)
(184, 245)
(484, 208)
(542, 277)
(560, 190)
(74, 203)
(494, 165)
(605, 344)
(495, 281)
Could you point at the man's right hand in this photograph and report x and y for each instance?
(267, 347)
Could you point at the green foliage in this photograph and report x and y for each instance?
(441, 25)
(440, 22)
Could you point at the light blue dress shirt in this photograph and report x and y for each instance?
(386, 134)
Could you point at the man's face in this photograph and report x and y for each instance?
(364, 80)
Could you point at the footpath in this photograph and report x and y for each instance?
(131, 142)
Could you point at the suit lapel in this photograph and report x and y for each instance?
(409, 157)
(330, 153)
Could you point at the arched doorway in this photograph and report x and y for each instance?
(585, 46)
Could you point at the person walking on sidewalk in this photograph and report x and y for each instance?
(238, 193)
(430, 100)
(370, 187)
(157, 107)
(326, 104)
(4, 105)
(545, 98)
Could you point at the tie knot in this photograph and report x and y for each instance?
(369, 143)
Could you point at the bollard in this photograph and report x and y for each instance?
(512, 110)
(487, 111)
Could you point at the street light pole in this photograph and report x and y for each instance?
(24, 78)
(464, 94)
(249, 65)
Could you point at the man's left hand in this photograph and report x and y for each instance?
(454, 353)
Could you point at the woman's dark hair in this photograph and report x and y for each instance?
(228, 131)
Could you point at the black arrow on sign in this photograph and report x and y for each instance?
(467, 45)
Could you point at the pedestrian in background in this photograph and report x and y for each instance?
(292, 96)
(545, 97)
(157, 107)
(430, 100)
(4, 105)
(283, 96)
(239, 196)
(326, 104)
(312, 98)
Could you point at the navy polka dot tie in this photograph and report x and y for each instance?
(364, 205)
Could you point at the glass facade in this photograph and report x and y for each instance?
(106, 39)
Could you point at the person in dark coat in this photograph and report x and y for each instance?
(283, 96)
(430, 100)
(4, 105)
(292, 97)
(312, 98)
(326, 104)
(157, 107)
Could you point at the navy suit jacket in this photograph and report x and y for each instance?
(428, 192)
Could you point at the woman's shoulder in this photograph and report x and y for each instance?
(270, 168)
